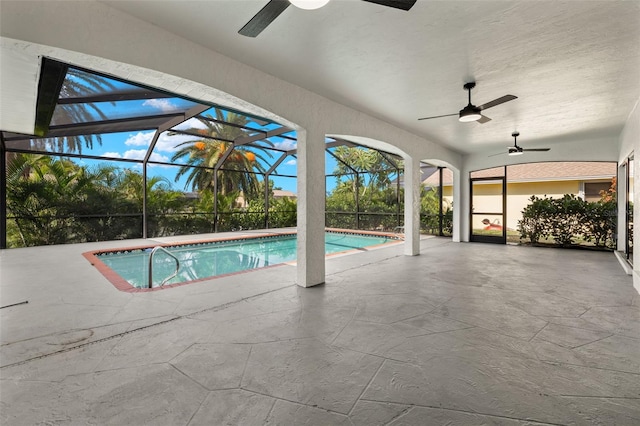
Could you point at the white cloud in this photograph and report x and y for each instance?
(159, 166)
(135, 154)
(158, 157)
(112, 154)
(286, 145)
(139, 139)
(138, 154)
(165, 142)
(168, 143)
(163, 105)
(192, 123)
(291, 162)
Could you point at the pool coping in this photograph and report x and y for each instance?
(123, 285)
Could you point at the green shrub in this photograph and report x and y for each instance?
(535, 219)
(601, 226)
(569, 219)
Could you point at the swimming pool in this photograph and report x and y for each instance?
(129, 269)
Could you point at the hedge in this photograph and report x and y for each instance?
(568, 220)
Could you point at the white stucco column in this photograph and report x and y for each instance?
(411, 206)
(457, 206)
(464, 205)
(311, 197)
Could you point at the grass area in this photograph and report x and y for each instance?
(513, 237)
(550, 242)
(488, 232)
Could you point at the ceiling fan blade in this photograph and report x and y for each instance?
(397, 4)
(483, 119)
(536, 149)
(262, 19)
(437, 116)
(501, 100)
(500, 153)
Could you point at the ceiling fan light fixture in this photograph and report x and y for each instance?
(470, 113)
(309, 4)
(515, 152)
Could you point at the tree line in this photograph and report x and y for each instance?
(54, 200)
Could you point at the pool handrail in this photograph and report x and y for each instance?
(155, 249)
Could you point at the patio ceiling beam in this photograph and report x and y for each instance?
(78, 129)
(276, 164)
(213, 138)
(191, 112)
(52, 77)
(261, 121)
(188, 114)
(79, 156)
(339, 142)
(251, 129)
(238, 126)
(243, 140)
(223, 157)
(115, 96)
(162, 128)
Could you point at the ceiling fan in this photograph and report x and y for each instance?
(472, 112)
(274, 8)
(518, 150)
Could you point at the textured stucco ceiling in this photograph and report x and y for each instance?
(574, 65)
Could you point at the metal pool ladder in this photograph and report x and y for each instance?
(155, 249)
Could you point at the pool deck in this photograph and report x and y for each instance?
(465, 333)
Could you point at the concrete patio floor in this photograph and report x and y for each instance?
(464, 334)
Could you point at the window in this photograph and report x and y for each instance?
(592, 190)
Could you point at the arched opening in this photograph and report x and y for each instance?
(364, 187)
(117, 160)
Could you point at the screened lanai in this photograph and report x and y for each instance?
(115, 160)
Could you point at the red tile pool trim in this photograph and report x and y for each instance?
(122, 284)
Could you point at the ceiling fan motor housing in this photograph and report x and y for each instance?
(470, 113)
(516, 150)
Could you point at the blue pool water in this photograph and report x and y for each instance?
(203, 260)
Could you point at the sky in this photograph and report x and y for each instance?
(134, 145)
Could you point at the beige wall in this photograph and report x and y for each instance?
(489, 197)
(519, 194)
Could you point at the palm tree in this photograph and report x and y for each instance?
(367, 161)
(42, 195)
(202, 154)
(161, 199)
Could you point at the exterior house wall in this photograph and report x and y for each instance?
(518, 195)
(589, 148)
(488, 198)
